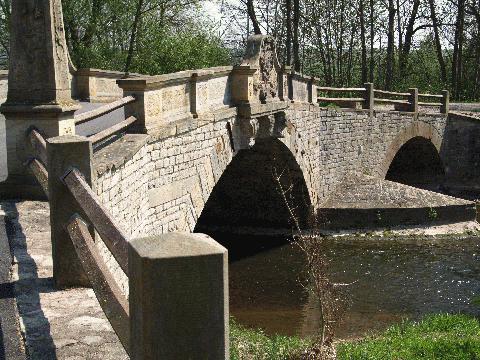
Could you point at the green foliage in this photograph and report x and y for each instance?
(432, 214)
(254, 344)
(191, 48)
(436, 337)
(170, 37)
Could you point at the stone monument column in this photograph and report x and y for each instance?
(39, 90)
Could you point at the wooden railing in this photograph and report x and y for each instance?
(336, 100)
(369, 97)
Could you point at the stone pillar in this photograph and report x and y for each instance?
(39, 90)
(178, 298)
(65, 152)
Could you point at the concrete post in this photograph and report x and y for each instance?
(178, 298)
(413, 100)
(39, 92)
(369, 97)
(65, 152)
(445, 108)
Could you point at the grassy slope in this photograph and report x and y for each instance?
(436, 337)
(454, 337)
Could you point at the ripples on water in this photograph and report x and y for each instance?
(393, 279)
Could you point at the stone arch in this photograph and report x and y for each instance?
(414, 130)
(248, 198)
(414, 158)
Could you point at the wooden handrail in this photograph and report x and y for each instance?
(430, 104)
(390, 101)
(325, 99)
(431, 96)
(39, 145)
(40, 173)
(113, 237)
(103, 110)
(105, 134)
(328, 89)
(113, 302)
(390, 93)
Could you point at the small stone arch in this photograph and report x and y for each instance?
(417, 129)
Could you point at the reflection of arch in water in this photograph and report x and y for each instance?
(248, 196)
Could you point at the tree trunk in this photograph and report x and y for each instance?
(361, 11)
(407, 45)
(253, 17)
(296, 28)
(133, 36)
(372, 39)
(390, 46)
(288, 6)
(438, 44)
(458, 50)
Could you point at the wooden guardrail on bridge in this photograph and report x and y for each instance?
(369, 97)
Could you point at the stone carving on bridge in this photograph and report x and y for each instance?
(261, 54)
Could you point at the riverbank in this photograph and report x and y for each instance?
(441, 336)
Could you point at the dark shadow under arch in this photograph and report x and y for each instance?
(247, 198)
(418, 164)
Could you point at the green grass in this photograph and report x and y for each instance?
(450, 337)
(255, 344)
(437, 337)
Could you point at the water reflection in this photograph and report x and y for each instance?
(393, 279)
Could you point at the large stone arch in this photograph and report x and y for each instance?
(248, 197)
(417, 129)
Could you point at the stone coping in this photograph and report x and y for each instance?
(160, 81)
(118, 153)
(105, 73)
(40, 109)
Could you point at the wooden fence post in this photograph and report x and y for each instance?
(369, 97)
(413, 100)
(445, 108)
(65, 152)
(178, 298)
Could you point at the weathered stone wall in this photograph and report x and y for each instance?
(328, 144)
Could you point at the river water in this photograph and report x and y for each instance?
(393, 279)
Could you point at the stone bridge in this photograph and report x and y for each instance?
(207, 144)
(206, 150)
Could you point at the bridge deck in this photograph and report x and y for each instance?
(67, 324)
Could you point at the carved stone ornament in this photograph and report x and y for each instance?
(261, 54)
